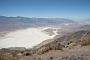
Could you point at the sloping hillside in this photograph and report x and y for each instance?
(78, 38)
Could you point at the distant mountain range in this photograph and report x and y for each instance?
(12, 23)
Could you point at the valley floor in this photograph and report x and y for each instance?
(27, 37)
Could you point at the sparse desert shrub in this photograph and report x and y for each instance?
(42, 50)
(51, 58)
(10, 55)
(56, 46)
(85, 42)
(72, 45)
(6, 57)
(27, 54)
(39, 58)
(48, 47)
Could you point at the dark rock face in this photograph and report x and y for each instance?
(27, 54)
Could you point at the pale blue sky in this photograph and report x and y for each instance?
(74, 9)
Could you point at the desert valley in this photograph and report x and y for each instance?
(33, 40)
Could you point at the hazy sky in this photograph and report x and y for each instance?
(75, 9)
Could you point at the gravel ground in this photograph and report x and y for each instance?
(77, 53)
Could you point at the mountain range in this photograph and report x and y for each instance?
(13, 23)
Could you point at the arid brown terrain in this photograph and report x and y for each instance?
(73, 46)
